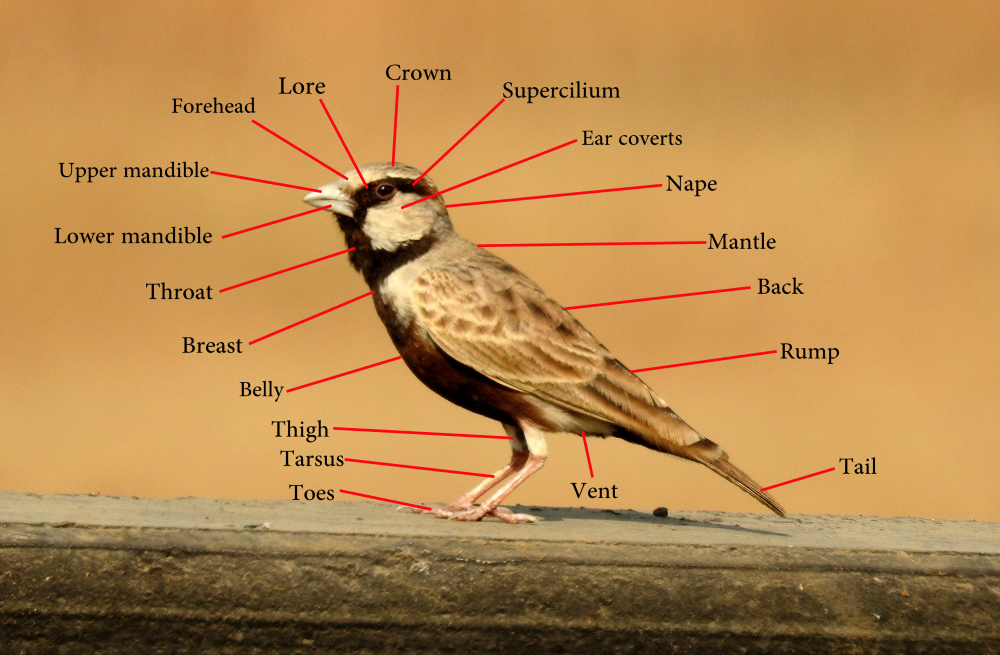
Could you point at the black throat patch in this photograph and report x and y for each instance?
(376, 265)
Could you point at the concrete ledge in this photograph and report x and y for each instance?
(122, 575)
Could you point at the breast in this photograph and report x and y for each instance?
(396, 293)
(400, 270)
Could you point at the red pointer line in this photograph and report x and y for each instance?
(384, 500)
(587, 450)
(284, 270)
(419, 468)
(676, 295)
(638, 370)
(595, 243)
(443, 434)
(781, 484)
(556, 195)
(325, 311)
(286, 218)
(544, 152)
(701, 361)
(395, 121)
(343, 143)
(254, 179)
(459, 141)
(322, 163)
(340, 375)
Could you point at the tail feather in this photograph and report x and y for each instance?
(711, 455)
(746, 483)
(671, 434)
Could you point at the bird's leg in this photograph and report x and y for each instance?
(537, 454)
(517, 460)
(518, 456)
(492, 506)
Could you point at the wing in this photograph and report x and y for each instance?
(484, 313)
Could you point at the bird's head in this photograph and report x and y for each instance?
(373, 217)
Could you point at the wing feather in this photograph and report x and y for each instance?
(487, 315)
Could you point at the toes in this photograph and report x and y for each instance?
(471, 514)
(508, 516)
(477, 513)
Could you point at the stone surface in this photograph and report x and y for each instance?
(555, 524)
(87, 574)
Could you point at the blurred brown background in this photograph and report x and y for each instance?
(864, 137)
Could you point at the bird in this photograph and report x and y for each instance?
(484, 336)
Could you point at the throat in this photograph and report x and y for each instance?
(376, 265)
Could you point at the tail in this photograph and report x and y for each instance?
(711, 455)
(632, 411)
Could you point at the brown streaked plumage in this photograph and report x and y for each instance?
(481, 334)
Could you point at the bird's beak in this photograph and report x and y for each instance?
(331, 194)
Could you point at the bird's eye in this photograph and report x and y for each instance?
(385, 191)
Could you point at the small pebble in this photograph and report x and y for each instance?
(660, 511)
